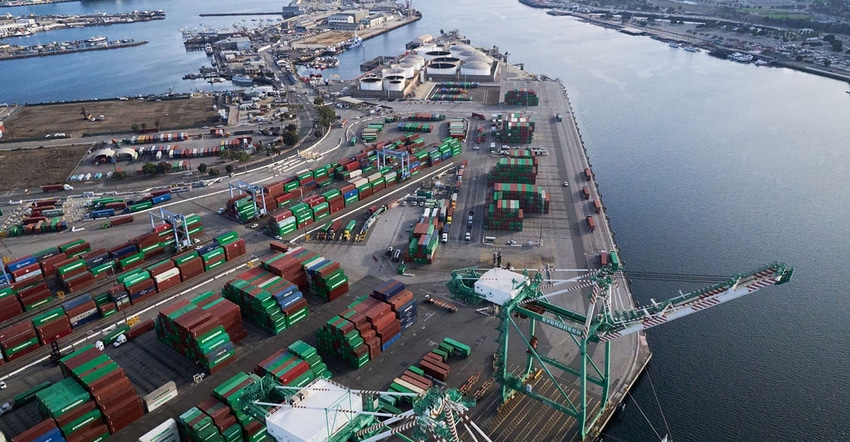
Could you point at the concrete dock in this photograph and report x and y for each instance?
(560, 240)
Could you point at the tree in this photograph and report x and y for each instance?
(242, 157)
(225, 154)
(213, 171)
(162, 167)
(156, 124)
(144, 126)
(289, 138)
(149, 169)
(119, 175)
(318, 101)
(202, 168)
(135, 127)
(291, 127)
(327, 116)
(228, 168)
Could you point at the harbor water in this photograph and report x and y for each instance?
(706, 166)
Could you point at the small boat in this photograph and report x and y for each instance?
(674, 45)
(691, 49)
(848, 92)
(96, 39)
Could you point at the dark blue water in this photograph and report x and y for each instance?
(706, 167)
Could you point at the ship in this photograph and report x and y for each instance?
(242, 79)
(691, 49)
(355, 41)
(96, 39)
(740, 58)
(208, 49)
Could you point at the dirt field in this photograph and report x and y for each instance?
(325, 39)
(54, 165)
(34, 122)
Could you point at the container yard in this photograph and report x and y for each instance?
(381, 278)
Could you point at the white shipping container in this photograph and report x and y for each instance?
(373, 177)
(29, 275)
(164, 432)
(83, 315)
(160, 396)
(170, 273)
(355, 173)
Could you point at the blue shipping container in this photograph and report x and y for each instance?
(207, 248)
(349, 194)
(97, 260)
(161, 198)
(141, 293)
(290, 300)
(390, 342)
(21, 263)
(78, 301)
(124, 251)
(85, 320)
(53, 435)
(102, 213)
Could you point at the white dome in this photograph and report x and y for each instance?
(436, 53)
(475, 68)
(417, 61)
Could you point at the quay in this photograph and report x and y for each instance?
(63, 48)
(236, 14)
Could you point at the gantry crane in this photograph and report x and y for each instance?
(402, 156)
(178, 225)
(436, 413)
(597, 327)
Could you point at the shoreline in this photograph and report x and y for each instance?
(671, 37)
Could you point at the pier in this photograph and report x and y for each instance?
(68, 47)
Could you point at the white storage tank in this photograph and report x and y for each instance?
(418, 60)
(453, 60)
(394, 83)
(441, 69)
(370, 83)
(409, 68)
(437, 53)
(475, 68)
(392, 72)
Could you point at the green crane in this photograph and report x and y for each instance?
(588, 331)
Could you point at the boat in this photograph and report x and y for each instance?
(848, 92)
(355, 41)
(761, 62)
(324, 63)
(741, 58)
(242, 79)
(208, 49)
(96, 39)
(674, 45)
(691, 49)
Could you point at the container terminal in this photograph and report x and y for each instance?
(451, 274)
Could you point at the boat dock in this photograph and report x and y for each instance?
(29, 24)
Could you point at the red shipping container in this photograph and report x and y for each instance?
(75, 413)
(57, 329)
(167, 284)
(139, 329)
(96, 429)
(10, 307)
(25, 270)
(162, 268)
(75, 250)
(35, 431)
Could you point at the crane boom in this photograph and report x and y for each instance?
(610, 326)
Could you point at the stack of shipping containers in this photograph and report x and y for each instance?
(522, 97)
(229, 394)
(504, 215)
(457, 128)
(267, 300)
(532, 199)
(71, 407)
(400, 299)
(18, 340)
(423, 241)
(513, 170)
(198, 330)
(517, 129)
(423, 116)
(114, 396)
(295, 366)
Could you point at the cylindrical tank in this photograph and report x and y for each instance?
(390, 72)
(370, 83)
(441, 68)
(475, 68)
(421, 50)
(454, 60)
(409, 68)
(394, 85)
(430, 55)
(418, 60)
